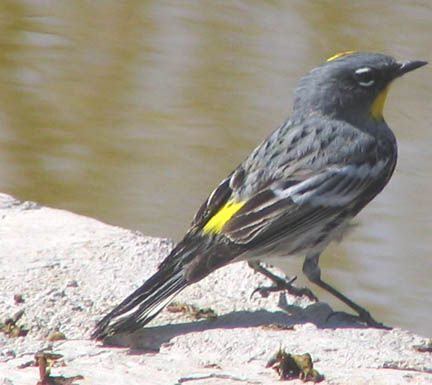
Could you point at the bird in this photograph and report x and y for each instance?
(295, 193)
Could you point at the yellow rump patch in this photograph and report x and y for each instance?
(377, 107)
(217, 221)
(340, 54)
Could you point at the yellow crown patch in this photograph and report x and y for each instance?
(340, 54)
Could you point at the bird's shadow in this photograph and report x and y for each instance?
(319, 314)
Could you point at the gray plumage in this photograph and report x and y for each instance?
(295, 193)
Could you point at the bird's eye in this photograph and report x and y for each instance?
(365, 76)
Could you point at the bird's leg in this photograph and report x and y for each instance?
(312, 271)
(279, 284)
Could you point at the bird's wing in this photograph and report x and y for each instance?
(304, 182)
(216, 200)
(295, 207)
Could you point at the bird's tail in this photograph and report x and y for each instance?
(145, 303)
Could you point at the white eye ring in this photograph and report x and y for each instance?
(364, 76)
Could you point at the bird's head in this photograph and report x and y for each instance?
(350, 86)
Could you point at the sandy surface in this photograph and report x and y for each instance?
(69, 270)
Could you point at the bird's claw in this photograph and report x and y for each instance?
(285, 284)
(364, 318)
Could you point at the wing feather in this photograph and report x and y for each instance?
(294, 209)
(216, 200)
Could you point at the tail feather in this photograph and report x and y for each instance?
(143, 304)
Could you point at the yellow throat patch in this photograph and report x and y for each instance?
(378, 104)
(218, 221)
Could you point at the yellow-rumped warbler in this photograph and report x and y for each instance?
(294, 194)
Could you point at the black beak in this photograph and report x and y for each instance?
(408, 66)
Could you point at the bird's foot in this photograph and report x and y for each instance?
(283, 284)
(364, 317)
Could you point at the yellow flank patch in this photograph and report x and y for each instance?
(340, 54)
(217, 221)
(378, 104)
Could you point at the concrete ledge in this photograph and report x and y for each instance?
(71, 269)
